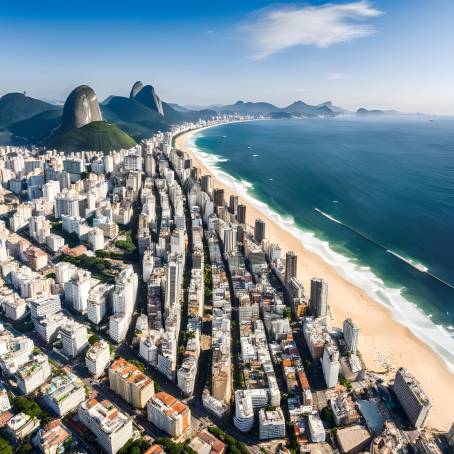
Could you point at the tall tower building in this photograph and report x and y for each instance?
(351, 333)
(290, 266)
(206, 183)
(259, 231)
(319, 297)
(241, 216)
(218, 197)
(412, 398)
(233, 205)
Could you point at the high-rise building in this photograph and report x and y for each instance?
(319, 297)
(206, 182)
(63, 393)
(351, 334)
(218, 197)
(111, 427)
(169, 414)
(331, 365)
(412, 398)
(77, 291)
(130, 383)
(259, 231)
(33, 374)
(233, 204)
(97, 358)
(241, 215)
(74, 338)
(271, 424)
(291, 261)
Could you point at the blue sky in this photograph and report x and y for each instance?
(384, 54)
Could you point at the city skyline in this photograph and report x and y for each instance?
(356, 53)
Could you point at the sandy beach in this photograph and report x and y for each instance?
(385, 344)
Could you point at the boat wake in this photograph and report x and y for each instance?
(417, 266)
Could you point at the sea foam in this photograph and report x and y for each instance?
(407, 313)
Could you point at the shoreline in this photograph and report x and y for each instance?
(380, 331)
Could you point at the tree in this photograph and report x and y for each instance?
(5, 447)
(93, 339)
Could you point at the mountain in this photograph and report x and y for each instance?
(147, 96)
(135, 118)
(178, 108)
(364, 112)
(36, 129)
(333, 108)
(81, 108)
(16, 107)
(300, 108)
(248, 108)
(97, 135)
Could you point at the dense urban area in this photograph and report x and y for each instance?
(141, 313)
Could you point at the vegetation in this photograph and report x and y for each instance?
(93, 339)
(327, 417)
(123, 256)
(138, 364)
(170, 447)
(30, 407)
(100, 268)
(70, 238)
(5, 446)
(97, 135)
(138, 446)
(234, 446)
(287, 313)
(207, 274)
(126, 244)
(344, 382)
(50, 275)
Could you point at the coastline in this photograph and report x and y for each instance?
(380, 332)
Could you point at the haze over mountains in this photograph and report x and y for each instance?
(118, 122)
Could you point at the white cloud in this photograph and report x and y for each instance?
(334, 76)
(275, 28)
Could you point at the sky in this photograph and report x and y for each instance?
(382, 54)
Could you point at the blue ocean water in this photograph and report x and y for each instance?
(388, 181)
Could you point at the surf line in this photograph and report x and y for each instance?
(417, 266)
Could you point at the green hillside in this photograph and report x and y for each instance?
(98, 135)
(15, 107)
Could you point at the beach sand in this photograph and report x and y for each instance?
(384, 344)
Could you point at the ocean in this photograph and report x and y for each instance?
(374, 197)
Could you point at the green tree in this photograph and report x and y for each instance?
(5, 447)
(93, 339)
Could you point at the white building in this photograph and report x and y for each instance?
(64, 393)
(111, 427)
(244, 411)
(21, 425)
(14, 308)
(47, 327)
(186, 375)
(98, 358)
(96, 239)
(331, 365)
(77, 290)
(74, 338)
(316, 429)
(4, 400)
(118, 327)
(44, 306)
(351, 335)
(33, 374)
(148, 349)
(97, 302)
(271, 424)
